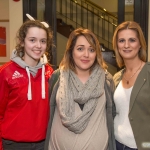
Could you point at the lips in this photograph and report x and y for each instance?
(37, 52)
(127, 51)
(85, 61)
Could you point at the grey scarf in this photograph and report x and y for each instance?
(72, 91)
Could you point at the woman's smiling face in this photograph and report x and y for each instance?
(128, 44)
(35, 44)
(83, 54)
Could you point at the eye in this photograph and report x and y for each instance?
(44, 41)
(32, 40)
(80, 49)
(132, 40)
(91, 50)
(121, 40)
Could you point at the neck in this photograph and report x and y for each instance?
(83, 75)
(132, 65)
(132, 71)
(31, 63)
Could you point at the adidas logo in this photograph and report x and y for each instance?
(16, 75)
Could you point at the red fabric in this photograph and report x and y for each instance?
(22, 120)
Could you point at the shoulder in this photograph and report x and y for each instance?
(118, 76)
(7, 70)
(54, 79)
(147, 65)
(7, 66)
(55, 74)
(48, 66)
(108, 76)
(49, 70)
(109, 82)
(109, 86)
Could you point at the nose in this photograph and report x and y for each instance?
(38, 44)
(126, 44)
(86, 54)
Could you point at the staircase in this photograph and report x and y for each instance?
(72, 14)
(64, 28)
(86, 14)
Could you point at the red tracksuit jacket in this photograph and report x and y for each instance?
(22, 120)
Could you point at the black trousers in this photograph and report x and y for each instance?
(11, 145)
(120, 146)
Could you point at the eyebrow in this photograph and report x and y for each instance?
(36, 38)
(83, 45)
(80, 45)
(129, 38)
(31, 37)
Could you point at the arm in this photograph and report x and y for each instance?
(53, 84)
(109, 89)
(112, 89)
(53, 80)
(110, 109)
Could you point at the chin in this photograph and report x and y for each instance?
(36, 59)
(37, 56)
(85, 69)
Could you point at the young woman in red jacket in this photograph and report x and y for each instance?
(24, 104)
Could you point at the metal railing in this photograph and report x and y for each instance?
(86, 14)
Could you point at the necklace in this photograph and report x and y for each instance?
(127, 80)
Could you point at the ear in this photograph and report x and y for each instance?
(22, 44)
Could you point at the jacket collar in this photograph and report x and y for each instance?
(140, 81)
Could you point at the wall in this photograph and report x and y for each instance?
(4, 9)
(15, 20)
(12, 12)
(4, 22)
(149, 35)
(109, 5)
(61, 46)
